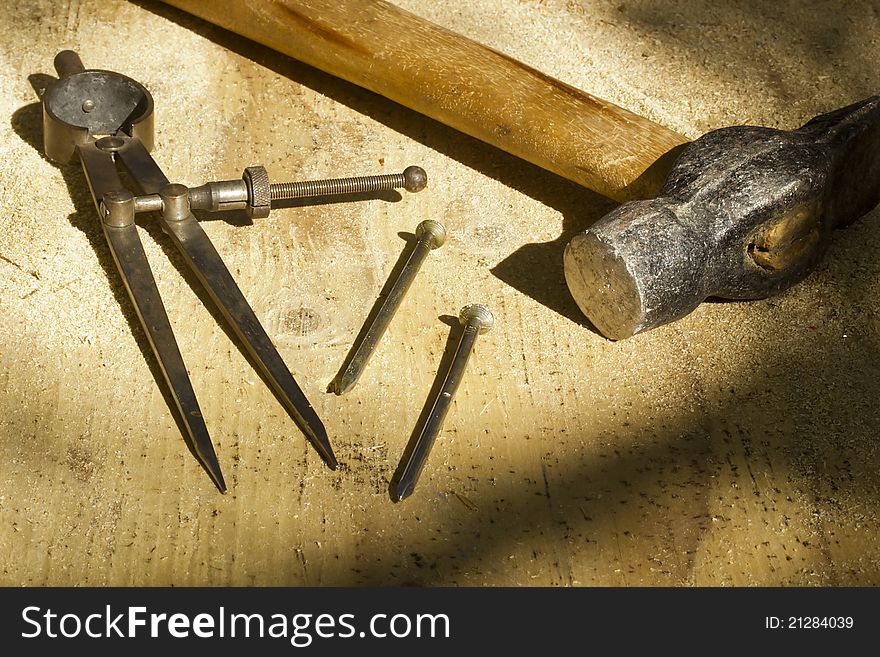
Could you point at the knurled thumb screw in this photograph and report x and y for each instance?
(254, 193)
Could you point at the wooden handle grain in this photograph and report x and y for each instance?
(461, 83)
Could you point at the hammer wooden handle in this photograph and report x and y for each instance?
(463, 84)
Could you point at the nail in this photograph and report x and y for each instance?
(430, 235)
(476, 318)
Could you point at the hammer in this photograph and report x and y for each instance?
(740, 213)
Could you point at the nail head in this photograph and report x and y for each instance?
(478, 315)
(433, 231)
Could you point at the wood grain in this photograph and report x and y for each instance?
(472, 88)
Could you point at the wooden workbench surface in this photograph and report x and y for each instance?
(737, 446)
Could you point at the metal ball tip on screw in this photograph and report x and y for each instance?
(430, 235)
(476, 319)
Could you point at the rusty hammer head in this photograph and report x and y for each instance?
(745, 213)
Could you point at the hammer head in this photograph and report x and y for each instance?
(745, 213)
